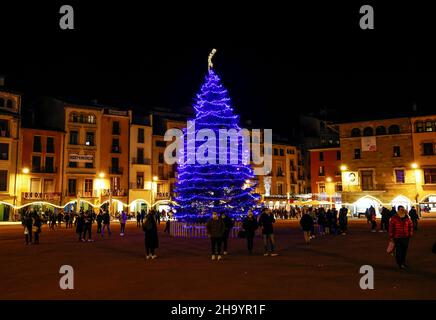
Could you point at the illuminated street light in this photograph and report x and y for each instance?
(155, 178)
(329, 179)
(101, 175)
(26, 170)
(414, 165)
(343, 168)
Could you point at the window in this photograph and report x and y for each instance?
(88, 186)
(72, 187)
(279, 169)
(321, 156)
(37, 147)
(161, 157)
(397, 151)
(49, 164)
(90, 118)
(160, 143)
(428, 149)
(89, 141)
(368, 131)
(281, 152)
(116, 145)
(355, 132)
(9, 104)
(116, 127)
(161, 172)
(3, 180)
(2, 102)
(419, 126)
(367, 181)
(428, 126)
(74, 137)
(380, 130)
(338, 187)
(279, 188)
(140, 155)
(430, 176)
(74, 117)
(399, 176)
(50, 145)
(36, 164)
(115, 183)
(321, 187)
(338, 155)
(276, 152)
(394, 129)
(49, 186)
(140, 180)
(89, 165)
(115, 163)
(35, 185)
(140, 135)
(4, 151)
(321, 171)
(72, 164)
(4, 128)
(356, 153)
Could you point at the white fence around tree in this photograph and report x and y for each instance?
(180, 229)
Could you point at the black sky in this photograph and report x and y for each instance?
(276, 61)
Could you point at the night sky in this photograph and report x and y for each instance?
(276, 61)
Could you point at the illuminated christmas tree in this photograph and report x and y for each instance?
(224, 188)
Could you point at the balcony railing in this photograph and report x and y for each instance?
(115, 149)
(44, 170)
(40, 195)
(141, 161)
(115, 170)
(122, 192)
(133, 185)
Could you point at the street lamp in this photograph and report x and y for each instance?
(101, 175)
(343, 167)
(26, 170)
(415, 167)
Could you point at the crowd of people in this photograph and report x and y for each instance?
(313, 221)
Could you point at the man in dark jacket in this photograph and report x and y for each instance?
(151, 239)
(343, 220)
(228, 225)
(306, 223)
(215, 229)
(80, 221)
(28, 223)
(106, 223)
(266, 221)
(400, 231)
(250, 227)
(385, 216)
(414, 217)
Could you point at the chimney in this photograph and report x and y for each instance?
(414, 107)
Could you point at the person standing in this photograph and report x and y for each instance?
(373, 219)
(250, 227)
(385, 216)
(138, 219)
(80, 225)
(67, 220)
(215, 229)
(266, 221)
(37, 224)
(414, 217)
(28, 223)
(142, 216)
(106, 223)
(306, 223)
(151, 239)
(400, 232)
(343, 220)
(321, 220)
(123, 220)
(99, 220)
(228, 225)
(87, 225)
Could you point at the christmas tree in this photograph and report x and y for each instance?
(221, 187)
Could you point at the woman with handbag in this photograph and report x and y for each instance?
(250, 226)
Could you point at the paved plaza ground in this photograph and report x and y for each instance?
(115, 267)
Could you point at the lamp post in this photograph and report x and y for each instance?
(415, 167)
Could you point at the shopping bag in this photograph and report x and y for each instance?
(391, 247)
(26, 231)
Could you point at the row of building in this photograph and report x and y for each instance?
(69, 154)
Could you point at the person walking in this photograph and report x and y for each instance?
(250, 226)
(321, 220)
(228, 225)
(400, 232)
(80, 221)
(414, 217)
(99, 220)
(151, 239)
(123, 220)
(343, 220)
(106, 223)
(37, 224)
(67, 220)
(306, 223)
(28, 223)
(215, 229)
(266, 221)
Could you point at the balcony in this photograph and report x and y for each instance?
(115, 149)
(121, 192)
(88, 194)
(44, 170)
(40, 195)
(146, 161)
(115, 170)
(116, 131)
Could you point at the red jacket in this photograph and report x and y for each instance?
(400, 228)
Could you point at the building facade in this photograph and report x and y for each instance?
(325, 172)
